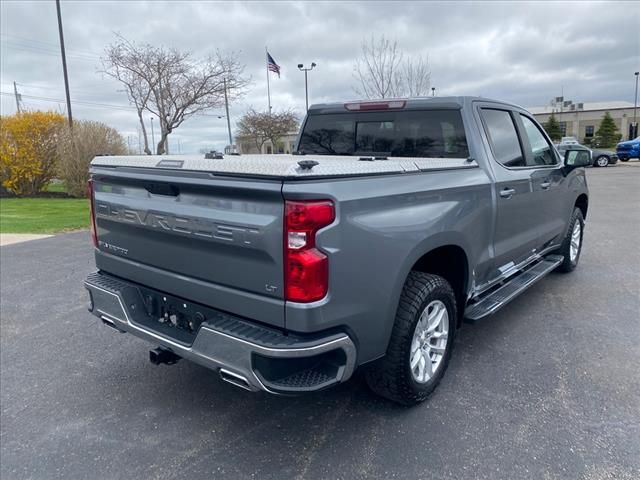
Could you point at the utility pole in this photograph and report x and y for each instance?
(306, 84)
(15, 91)
(64, 64)
(226, 106)
(153, 137)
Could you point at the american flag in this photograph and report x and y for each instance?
(272, 65)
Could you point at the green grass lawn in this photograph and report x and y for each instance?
(43, 215)
(56, 187)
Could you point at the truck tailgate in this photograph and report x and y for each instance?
(210, 239)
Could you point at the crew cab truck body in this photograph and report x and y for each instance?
(396, 221)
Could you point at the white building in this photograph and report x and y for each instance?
(582, 120)
(286, 144)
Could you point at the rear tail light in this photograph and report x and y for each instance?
(380, 105)
(92, 213)
(306, 269)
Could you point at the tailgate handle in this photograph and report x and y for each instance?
(162, 189)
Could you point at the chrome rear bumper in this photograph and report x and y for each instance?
(245, 354)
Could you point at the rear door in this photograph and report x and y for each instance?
(194, 234)
(516, 225)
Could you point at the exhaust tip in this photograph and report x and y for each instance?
(160, 355)
(234, 379)
(110, 323)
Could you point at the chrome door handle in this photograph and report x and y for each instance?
(507, 192)
(545, 185)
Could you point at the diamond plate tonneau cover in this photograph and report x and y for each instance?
(285, 166)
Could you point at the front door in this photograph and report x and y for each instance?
(549, 182)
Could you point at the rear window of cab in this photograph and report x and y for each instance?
(414, 133)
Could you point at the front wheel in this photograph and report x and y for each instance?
(602, 161)
(624, 159)
(572, 244)
(421, 341)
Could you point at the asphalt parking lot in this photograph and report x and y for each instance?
(548, 388)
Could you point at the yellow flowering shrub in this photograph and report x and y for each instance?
(28, 150)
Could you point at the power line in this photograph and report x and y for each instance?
(50, 45)
(45, 51)
(91, 104)
(75, 102)
(57, 90)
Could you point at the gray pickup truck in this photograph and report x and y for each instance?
(395, 221)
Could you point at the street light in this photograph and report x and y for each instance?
(153, 137)
(306, 86)
(433, 91)
(635, 106)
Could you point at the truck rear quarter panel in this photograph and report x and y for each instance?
(383, 226)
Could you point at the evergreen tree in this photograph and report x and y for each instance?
(553, 128)
(607, 135)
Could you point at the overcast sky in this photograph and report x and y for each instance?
(521, 52)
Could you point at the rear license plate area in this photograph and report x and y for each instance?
(172, 316)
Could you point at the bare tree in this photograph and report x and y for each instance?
(171, 84)
(382, 71)
(377, 68)
(416, 77)
(127, 65)
(260, 127)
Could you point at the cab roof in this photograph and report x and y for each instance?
(415, 103)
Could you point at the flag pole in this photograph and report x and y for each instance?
(266, 59)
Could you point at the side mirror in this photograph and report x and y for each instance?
(577, 158)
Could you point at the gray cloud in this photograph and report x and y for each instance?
(520, 52)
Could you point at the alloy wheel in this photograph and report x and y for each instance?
(429, 342)
(576, 238)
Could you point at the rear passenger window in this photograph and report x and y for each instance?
(541, 151)
(503, 137)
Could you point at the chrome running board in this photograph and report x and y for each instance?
(498, 298)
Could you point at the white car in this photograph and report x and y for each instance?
(569, 141)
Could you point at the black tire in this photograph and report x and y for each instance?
(568, 265)
(624, 159)
(391, 376)
(601, 157)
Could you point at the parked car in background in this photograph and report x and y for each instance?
(569, 141)
(601, 158)
(628, 149)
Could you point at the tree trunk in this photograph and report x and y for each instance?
(161, 148)
(144, 133)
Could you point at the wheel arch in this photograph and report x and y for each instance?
(582, 202)
(445, 255)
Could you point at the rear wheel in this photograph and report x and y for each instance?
(602, 161)
(421, 341)
(624, 159)
(572, 243)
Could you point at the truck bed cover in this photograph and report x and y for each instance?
(285, 166)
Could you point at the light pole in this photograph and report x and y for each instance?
(433, 91)
(226, 106)
(153, 137)
(635, 106)
(306, 85)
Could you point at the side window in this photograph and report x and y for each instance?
(503, 137)
(541, 151)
